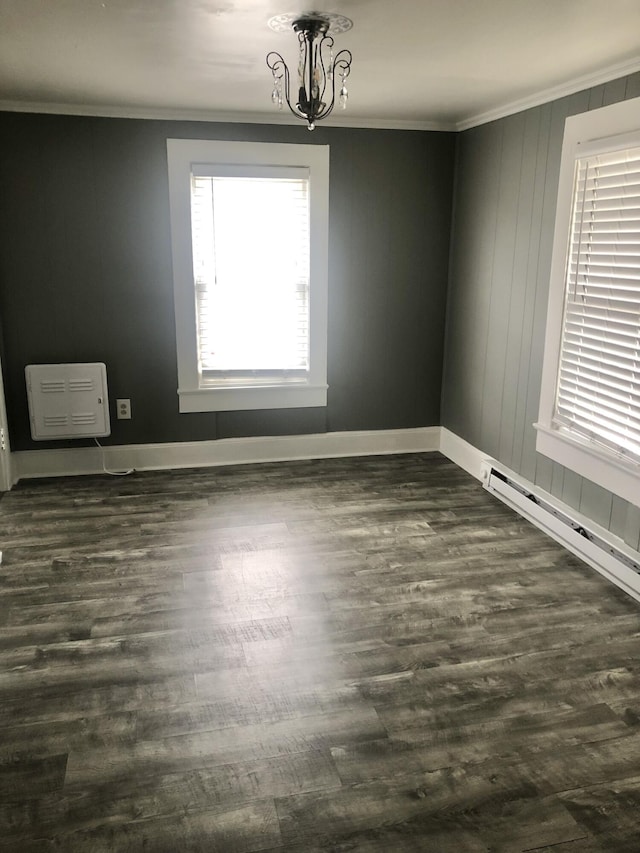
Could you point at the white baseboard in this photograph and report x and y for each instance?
(463, 454)
(226, 451)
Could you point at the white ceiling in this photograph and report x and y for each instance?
(416, 63)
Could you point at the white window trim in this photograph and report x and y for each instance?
(606, 468)
(193, 395)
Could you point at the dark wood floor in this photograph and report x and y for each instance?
(341, 655)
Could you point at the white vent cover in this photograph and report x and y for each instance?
(68, 400)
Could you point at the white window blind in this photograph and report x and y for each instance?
(250, 234)
(598, 388)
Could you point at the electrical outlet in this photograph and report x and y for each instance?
(123, 410)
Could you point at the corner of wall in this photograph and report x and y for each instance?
(463, 454)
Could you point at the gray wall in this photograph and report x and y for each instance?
(85, 272)
(502, 235)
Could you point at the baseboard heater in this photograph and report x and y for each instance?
(596, 546)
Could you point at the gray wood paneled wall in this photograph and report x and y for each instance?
(85, 272)
(502, 235)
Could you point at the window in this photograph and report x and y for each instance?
(249, 225)
(590, 401)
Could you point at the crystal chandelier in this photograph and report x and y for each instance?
(317, 66)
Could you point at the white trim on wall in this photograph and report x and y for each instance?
(310, 165)
(210, 116)
(551, 93)
(605, 129)
(226, 451)
(463, 454)
(6, 461)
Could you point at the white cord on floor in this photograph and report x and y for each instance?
(112, 473)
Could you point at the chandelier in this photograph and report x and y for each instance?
(317, 66)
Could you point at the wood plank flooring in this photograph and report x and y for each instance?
(368, 654)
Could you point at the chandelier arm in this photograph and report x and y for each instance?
(343, 60)
(287, 96)
(344, 64)
(272, 64)
(328, 109)
(280, 71)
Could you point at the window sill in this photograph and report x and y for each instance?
(612, 472)
(244, 398)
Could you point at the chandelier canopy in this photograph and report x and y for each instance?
(318, 68)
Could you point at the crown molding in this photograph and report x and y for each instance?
(211, 116)
(577, 84)
(586, 81)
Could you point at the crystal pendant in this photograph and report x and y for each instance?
(311, 126)
(276, 95)
(301, 67)
(343, 97)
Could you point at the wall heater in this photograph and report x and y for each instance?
(591, 543)
(68, 400)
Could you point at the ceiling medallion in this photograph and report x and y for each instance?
(317, 66)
